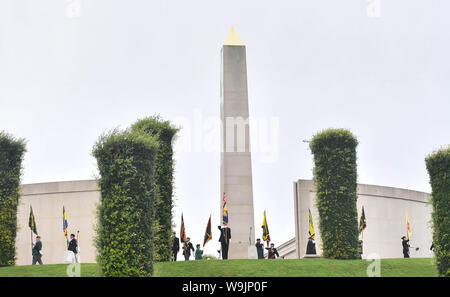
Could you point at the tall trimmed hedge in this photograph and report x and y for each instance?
(164, 132)
(125, 213)
(438, 166)
(335, 181)
(12, 151)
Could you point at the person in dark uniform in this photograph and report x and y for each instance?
(175, 246)
(73, 245)
(272, 251)
(405, 244)
(225, 235)
(187, 249)
(311, 247)
(360, 248)
(36, 251)
(259, 248)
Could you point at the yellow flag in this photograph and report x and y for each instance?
(266, 234)
(408, 225)
(312, 234)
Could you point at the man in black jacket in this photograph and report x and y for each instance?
(272, 252)
(73, 245)
(405, 244)
(175, 246)
(259, 249)
(187, 249)
(36, 251)
(311, 247)
(225, 235)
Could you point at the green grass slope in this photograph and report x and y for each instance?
(249, 268)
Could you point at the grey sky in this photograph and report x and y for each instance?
(311, 64)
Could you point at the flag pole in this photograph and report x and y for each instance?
(226, 234)
(31, 235)
(31, 240)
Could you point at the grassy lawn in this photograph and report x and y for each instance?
(249, 268)
(50, 270)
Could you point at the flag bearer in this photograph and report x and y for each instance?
(405, 244)
(311, 247)
(187, 249)
(36, 251)
(73, 246)
(225, 236)
(272, 252)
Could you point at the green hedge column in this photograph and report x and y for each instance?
(162, 228)
(438, 166)
(11, 155)
(335, 183)
(125, 214)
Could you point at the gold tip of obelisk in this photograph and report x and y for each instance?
(233, 39)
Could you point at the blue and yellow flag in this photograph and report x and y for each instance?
(65, 224)
(362, 221)
(225, 211)
(32, 222)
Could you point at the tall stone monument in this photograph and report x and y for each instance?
(236, 165)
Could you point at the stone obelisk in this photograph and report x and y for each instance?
(236, 165)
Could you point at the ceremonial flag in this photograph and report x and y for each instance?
(182, 231)
(208, 232)
(312, 233)
(408, 225)
(266, 234)
(65, 224)
(225, 211)
(32, 222)
(362, 221)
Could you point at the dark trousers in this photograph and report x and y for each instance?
(224, 251)
(186, 257)
(405, 254)
(37, 258)
(174, 255)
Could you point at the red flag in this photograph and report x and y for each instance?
(182, 231)
(208, 232)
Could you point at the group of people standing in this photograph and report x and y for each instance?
(72, 245)
(224, 239)
(406, 247)
(272, 252)
(187, 248)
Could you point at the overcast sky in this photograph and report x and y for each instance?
(380, 68)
